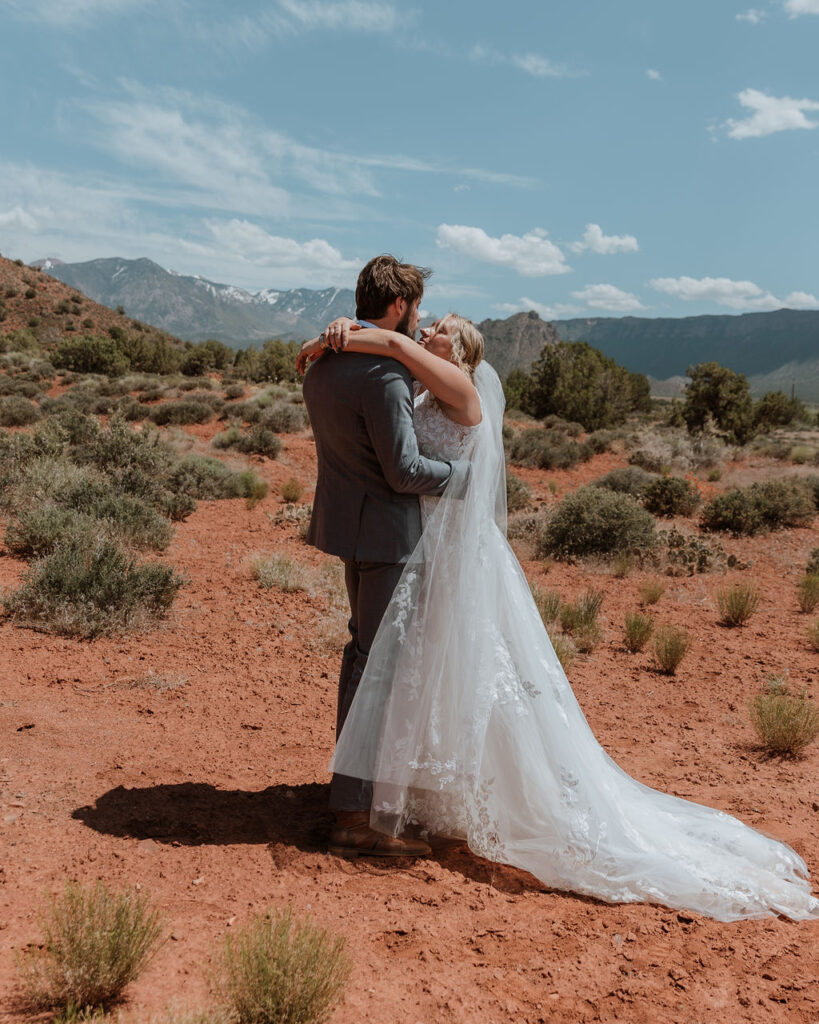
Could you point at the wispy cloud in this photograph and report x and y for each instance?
(595, 241)
(47, 213)
(225, 159)
(531, 63)
(739, 295)
(609, 298)
(654, 75)
(284, 18)
(797, 7)
(770, 114)
(753, 16)
(62, 13)
(531, 255)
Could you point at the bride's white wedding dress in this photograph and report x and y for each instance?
(466, 723)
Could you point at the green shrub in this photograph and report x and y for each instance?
(717, 393)
(281, 970)
(579, 383)
(800, 454)
(785, 723)
(227, 438)
(181, 412)
(626, 480)
(737, 603)
(638, 630)
(245, 484)
(595, 520)
(259, 441)
(92, 591)
(808, 593)
(94, 943)
(200, 477)
(671, 644)
(812, 568)
(16, 411)
(671, 496)
(284, 417)
(34, 532)
(735, 512)
(291, 490)
(784, 503)
(546, 449)
(762, 506)
(91, 354)
(518, 493)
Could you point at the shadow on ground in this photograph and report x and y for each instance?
(199, 814)
(281, 817)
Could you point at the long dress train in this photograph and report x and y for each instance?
(466, 723)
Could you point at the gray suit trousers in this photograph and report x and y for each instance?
(370, 586)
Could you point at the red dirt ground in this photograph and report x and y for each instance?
(211, 796)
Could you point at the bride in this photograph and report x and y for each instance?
(478, 734)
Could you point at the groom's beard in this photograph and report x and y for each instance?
(403, 326)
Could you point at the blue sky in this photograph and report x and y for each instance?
(577, 157)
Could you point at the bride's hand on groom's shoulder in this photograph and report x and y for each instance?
(337, 334)
(309, 353)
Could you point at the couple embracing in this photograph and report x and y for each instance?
(454, 714)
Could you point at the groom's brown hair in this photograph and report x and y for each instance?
(385, 279)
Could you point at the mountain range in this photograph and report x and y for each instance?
(774, 349)
(195, 309)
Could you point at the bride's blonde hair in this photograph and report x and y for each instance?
(467, 343)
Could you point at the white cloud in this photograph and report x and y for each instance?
(797, 7)
(61, 13)
(595, 241)
(531, 63)
(294, 17)
(540, 67)
(531, 255)
(246, 242)
(770, 114)
(654, 75)
(82, 218)
(606, 296)
(721, 290)
(554, 311)
(19, 218)
(752, 16)
(801, 300)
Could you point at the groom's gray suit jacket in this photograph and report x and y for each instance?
(369, 468)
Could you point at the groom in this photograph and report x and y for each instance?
(366, 509)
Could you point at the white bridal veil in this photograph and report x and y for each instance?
(466, 723)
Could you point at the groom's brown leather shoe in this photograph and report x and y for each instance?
(352, 837)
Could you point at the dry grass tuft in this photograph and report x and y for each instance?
(281, 970)
(651, 591)
(280, 572)
(638, 630)
(737, 603)
(785, 722)
(807, 593)
(671, 644)
(94, 943)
